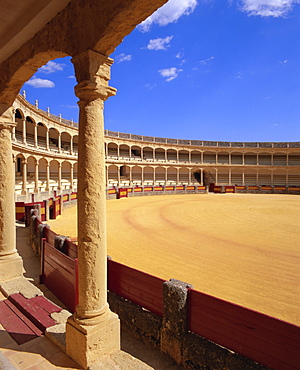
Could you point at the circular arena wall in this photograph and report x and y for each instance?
(45, 149)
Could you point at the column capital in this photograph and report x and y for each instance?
(7, 125)
(92, 72)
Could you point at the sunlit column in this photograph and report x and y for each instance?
(177, 173)
(47, 177)
(24, 176)
(36, 176)
(24, 132)
(47, 138)
(71, 145)
(93, 330)
(72, 176)
(59, 176)
(11, 265)
(35, 136)
(229, 177)
(59, 142)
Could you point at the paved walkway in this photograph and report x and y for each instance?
(41, 353)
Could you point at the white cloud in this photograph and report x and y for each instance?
(123, 58)
(159, 43)
(39, 82)
(170, 73)
(169, 13)
(51, 67)
(71, 76)
(205, 61)
(179, 55)
(268, 8)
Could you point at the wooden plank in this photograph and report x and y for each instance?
(139, 287)
(264, 339)
(34, 312)
(47, 305)
(14, 325)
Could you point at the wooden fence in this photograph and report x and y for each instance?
(264, 339)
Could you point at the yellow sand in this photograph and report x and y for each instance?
(244, 248)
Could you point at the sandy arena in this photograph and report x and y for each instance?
(244, 248)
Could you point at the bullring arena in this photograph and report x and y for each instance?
(241, 246)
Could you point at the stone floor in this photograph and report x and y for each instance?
(40, 353)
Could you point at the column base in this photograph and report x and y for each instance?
(87, 344)
(11, 268)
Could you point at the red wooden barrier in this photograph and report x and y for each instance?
(137, 189)
(229, 189)
(122, 193)
(73, 196)
(60, 275)
(49, 235)
(190, 187)
(148, 188)
(217, 189)
(142, 289)
(65, 198)
(264, 339)
(20, 211)
(266, 188)
(169, 188)
(158, 188)
(201, 187)
(180, 187)
(71, 249)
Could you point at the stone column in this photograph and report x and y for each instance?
(119, 176)
(118, 151)
(243, 178)
(47, 177)
(201, 158)
(13, 134)
(166, 175)
(71, 176)
(24, 132)
(201, 177)
(24, 176)
(59, 142)
(166, 155)
(177, 174)
(71, 145)
(35, 136)
(36, 176)
(130, 175)
(154, 175)
(93, 330)
(142, 175)
(257, 178)
(216, 180)
(11, 265)
(59, 177)
(190, 176)
(229, 177)
(47, 139)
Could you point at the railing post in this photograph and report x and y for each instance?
(175, 320)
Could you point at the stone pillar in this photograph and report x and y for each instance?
(177, 156)
(287, 179)
(118, 151)
(229, 177)
(243, 178)
(190, 156)
(243, 158)
(153, 154)
(47, 139)
(201, 177)
(36, 176)
(174, 325)
(119, 176)
(154, 175)
(166, 175)
(13, 134)
(47, 177)
(201, 158)
(257, 159)
(272, 178)
(177, 175)
(93, 331)
(59, 177)
(130, 175)
(11, 264)
(142, 175)
(71, 145)
(71, 176)
(216, 180)
(35, 136)
(59, 142)
(190, 176)
(24, 176)
(24, 132)
(257, 178)
(229, 158)
(166, 155)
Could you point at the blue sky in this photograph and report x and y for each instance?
(207, 70)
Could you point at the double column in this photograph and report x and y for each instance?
(93, 330)
(11, 265)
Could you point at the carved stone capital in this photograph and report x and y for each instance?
(92, 72)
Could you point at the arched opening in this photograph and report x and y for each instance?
(53, 139)
(41, 135)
